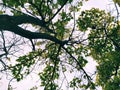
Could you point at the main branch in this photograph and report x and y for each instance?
(22, 19)
(10, 23)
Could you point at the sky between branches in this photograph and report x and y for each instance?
(28, 81)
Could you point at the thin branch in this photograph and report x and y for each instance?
(88, 77)
(2, 54)
(33, 45)
(4, 46)
(57, 11)
(38, 9)
(117, 10)
(4, 65)
(9, 86)
(115, 44)
(55, 64)
(73, 26)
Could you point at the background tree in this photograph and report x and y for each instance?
(60, 43)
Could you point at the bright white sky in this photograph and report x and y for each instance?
(29, 81)
(102, 4)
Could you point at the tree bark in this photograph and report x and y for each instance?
(10, 23)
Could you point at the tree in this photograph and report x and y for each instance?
(117, 1)
(61, 43)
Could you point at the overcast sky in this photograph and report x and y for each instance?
(102, 4)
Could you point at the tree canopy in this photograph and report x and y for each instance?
(54, 38)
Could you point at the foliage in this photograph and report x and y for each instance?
(117, 1)
(60, 43)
